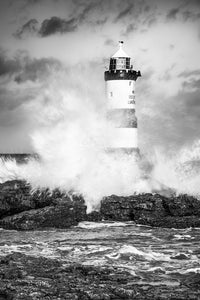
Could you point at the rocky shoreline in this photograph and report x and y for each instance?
(24, 209)
(40, 278)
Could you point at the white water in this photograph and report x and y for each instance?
(151, 254)
(71, 140)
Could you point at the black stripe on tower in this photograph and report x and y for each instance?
(121, 75)
(122, 118)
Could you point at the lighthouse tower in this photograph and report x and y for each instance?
(120, 91)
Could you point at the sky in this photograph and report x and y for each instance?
(42, 40)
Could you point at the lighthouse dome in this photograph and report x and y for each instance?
(120, 53)
(120, 60)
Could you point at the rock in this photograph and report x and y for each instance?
(192, 280)
(182, 205)
(180, 256)
(15, 196)
(153, 210)
(45, 278)
(94, 216)
(24, 209)
(132, 208)
(33, 209)
(171, 222)
(67, 214)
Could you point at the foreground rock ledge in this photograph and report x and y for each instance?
(24, 209)
(28, 277)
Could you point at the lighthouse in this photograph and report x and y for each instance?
(120, 81)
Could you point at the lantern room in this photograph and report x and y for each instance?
(120, 60)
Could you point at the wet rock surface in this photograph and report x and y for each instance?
(153, 210)
(24, 209)
(28, 277)
(60, 216)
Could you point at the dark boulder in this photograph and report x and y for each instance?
(63, 215)
(182, 205)
(24, 208)
(153, 210)
(171, 222)
(15, 196)
(132, 208)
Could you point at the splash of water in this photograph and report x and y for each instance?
(180, 171)
(71, 140)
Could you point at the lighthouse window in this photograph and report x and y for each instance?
(128, 61)
(112, 64)
(129, 83)
(121, 64)
(111, 94)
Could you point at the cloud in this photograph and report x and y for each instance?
(23, 82)
(86, 10)
(21, 79)
(172, 14)
(158, 34)
(192, 84)
(29, 28)
(124, 12)
(35, 69)
(189, 73)
(8, 66)
(130, 28)
(171, 122)
(48, 27)
(110, 42)
(23, 68)
(55, 24)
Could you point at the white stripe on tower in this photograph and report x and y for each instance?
(120, 91)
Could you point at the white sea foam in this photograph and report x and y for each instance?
(181, 271)
(183, 237)
(191, 270)
(129, 252)
(93, 225)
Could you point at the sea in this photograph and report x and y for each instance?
(155, 256)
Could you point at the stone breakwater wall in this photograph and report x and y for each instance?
(24, 209)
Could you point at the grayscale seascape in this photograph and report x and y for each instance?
(99, 150)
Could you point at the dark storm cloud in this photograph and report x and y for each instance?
(28, 28)
(25, 68)
(192, 83)
(20, 70)
(8, 66)
(178, 119)
(101, 21)
(48, 27)
(188, 15)
(86, 10)
(37, 69)
(124, 12)
(55, 24)
(172, 14)
(130, 28)
(9, 101)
